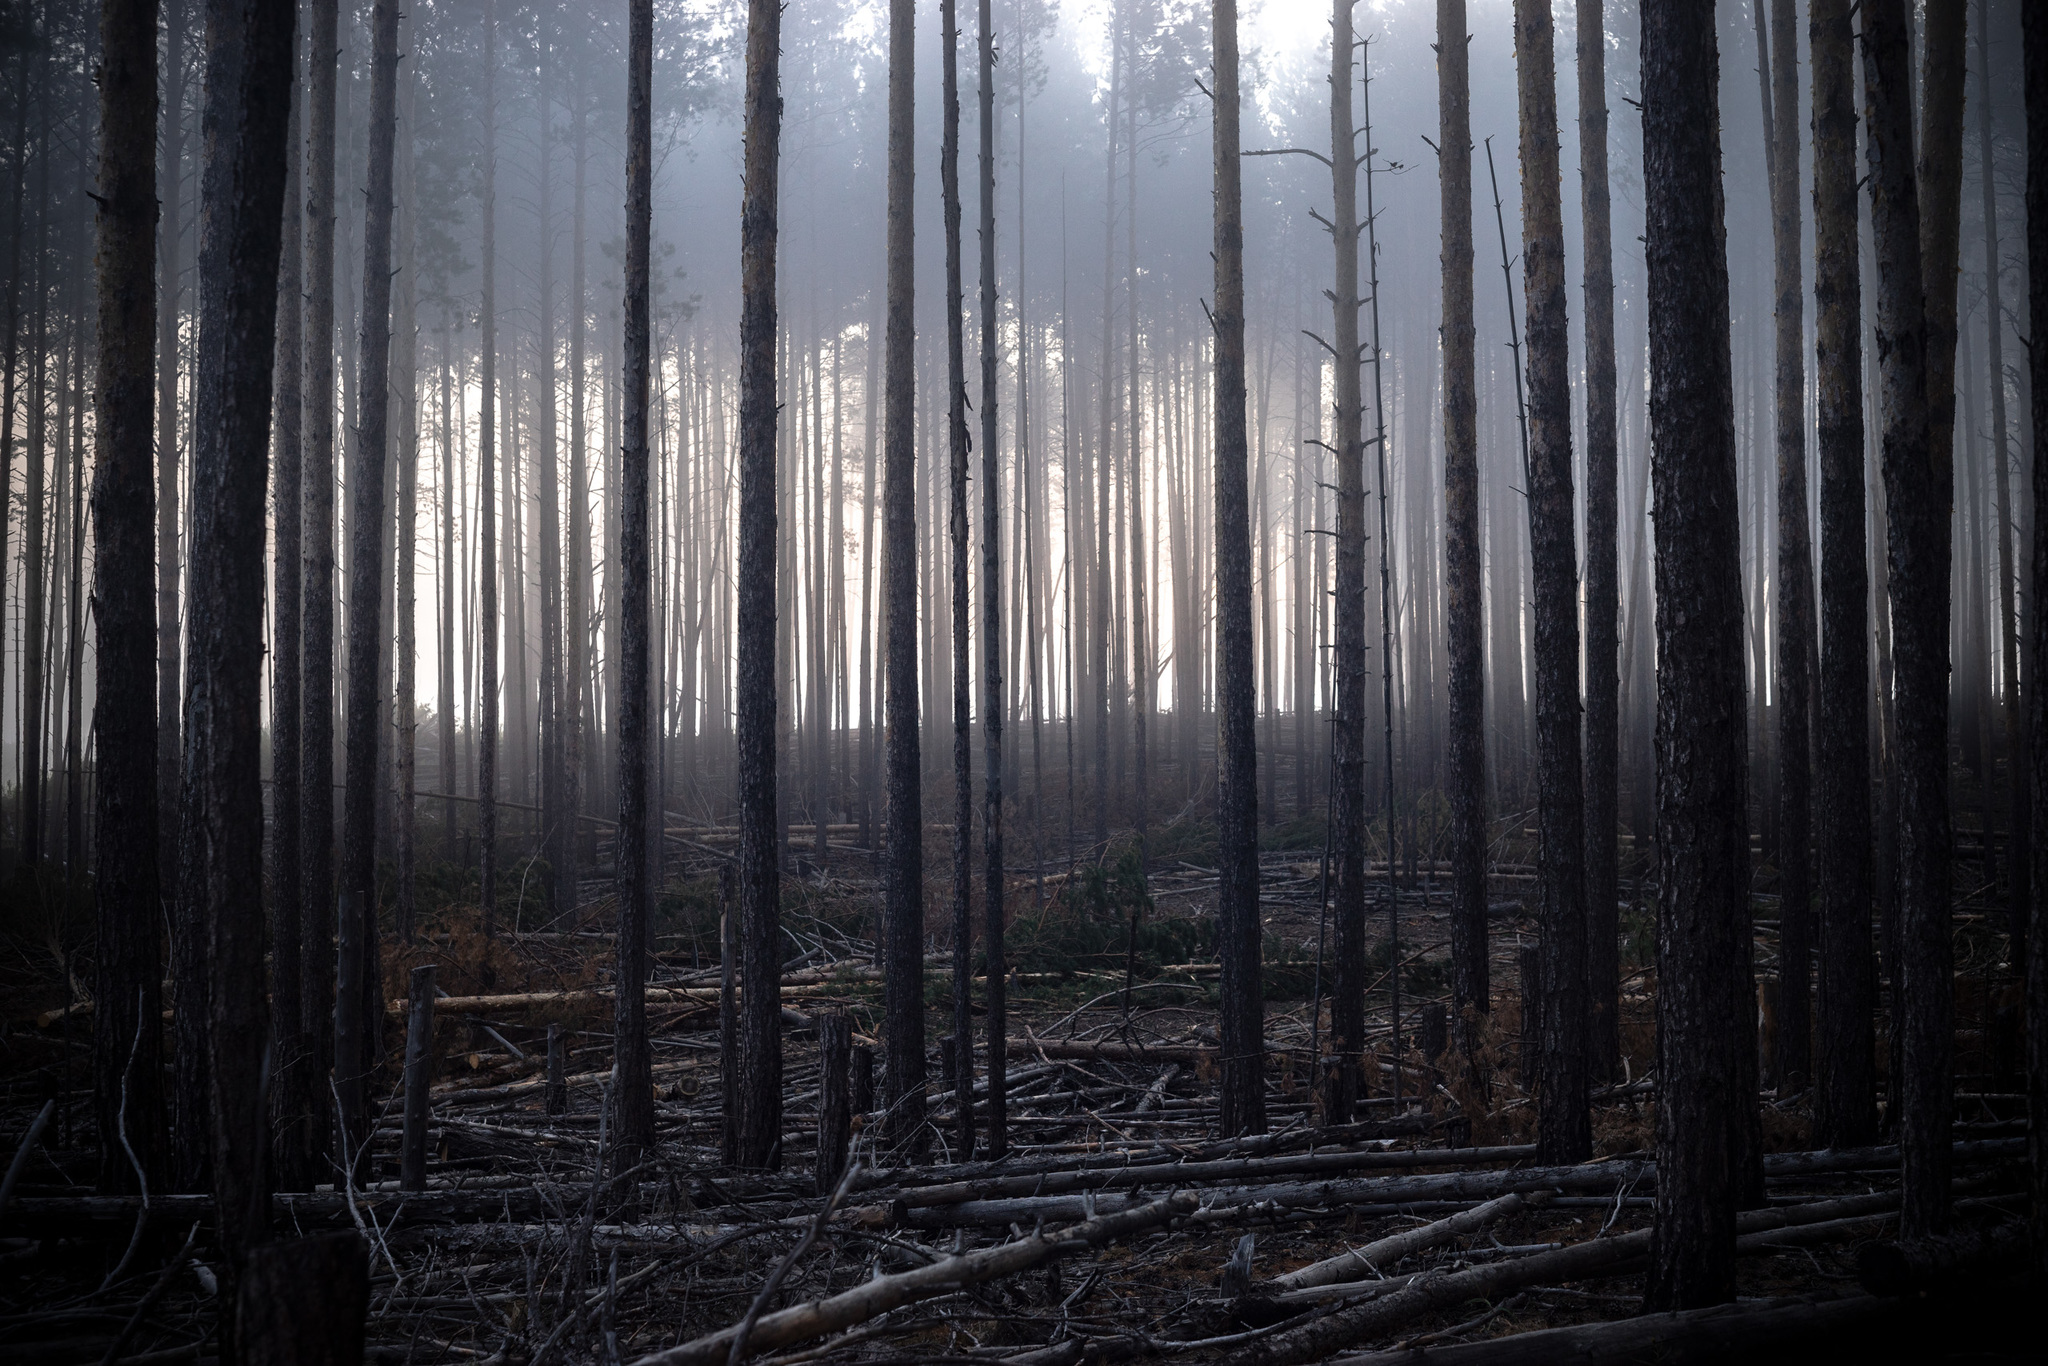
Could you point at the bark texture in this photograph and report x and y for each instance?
(992, 702)
(2034, 24)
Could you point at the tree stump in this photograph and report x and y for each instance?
(419, 1073)
(835, 1112)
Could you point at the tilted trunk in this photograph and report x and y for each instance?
(957, 441)
(1564, 1123)
(754, 708)
(359, 1015)
(1603, 592)
(1845, 1112)
(1705, 1047)
(903, 864)
(248, 94)
(1464, 571)
(632, 1066)
(1918, 495)
(992, 613)
(316, 627)
(128, 971)
(1237, 795)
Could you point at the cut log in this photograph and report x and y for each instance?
(1366, 1261)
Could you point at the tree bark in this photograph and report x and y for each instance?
(992, 616)
(168, 531)
(2034, 26)
(634, 1096)
(405, 468)
(957, 442)
(759, 873)
(1603, 593)
(248, 94)
(1237, 798)
(486, 723)
(1918, 495)
(1464, 572)
(903, 871)
(1844, 1092)
(1564, 1123)
(127, 985)
(1705, 1049)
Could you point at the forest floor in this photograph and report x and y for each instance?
(1120, 1225)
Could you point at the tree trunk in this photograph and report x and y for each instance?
(486, 722)
(1464, 572)
(2034, 26)
(573, 709)
(1844, 1096)
(357, 1022)
(1603, 594)
(248, 97)
(448, 756)
(957, 441)
(634, 1096)
(406, 444)
(1705, 1049)
(316, 640)
(1918, 494)
(169, 259)
(1564, 1124)
(992, 621)
(760, 923)
(127, 986)
(1237, 798)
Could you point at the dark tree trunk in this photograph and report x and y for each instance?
(1705, 1047)
(1793, 581)
(405, 470)
(1603, 593)
(1918, 494)
(957, 440)
(316, 638)
(1237, 797)
(448, 756)
(760, 922)
(358, 1021)
(992, 625)
(248, 97)
(903, 869)
(2034, 24)
(486, 722)
(1464, 573)
(168, 531)
(128, 1024)
(1845, 1113)
(573, 709)
(1343, 1082)
(1564, 1124)
(634, 1096)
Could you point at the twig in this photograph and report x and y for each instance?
(782, 1268)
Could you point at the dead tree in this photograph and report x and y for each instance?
(1603, 592)
(760, 962)
(1917, 500)
(992, 619)
(486, 723)
(2034, 26)
(169, 529)
(358, 1015)
(1237, 797)
(127, 985)
(1564, 1124)
(405, 466)
(1845, 1113)
(957, 441)
(1705, 1051)
(634, 1098)
(248, 96)
(1464, 571)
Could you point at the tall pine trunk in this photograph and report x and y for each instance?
(405, 466)
(2034, 26)
(1705, 1047)
(957, 441)
(1237, 795)
(992, 620)
(486, 722)
(1844, 1104)
(1564, 1123)
(168, 532)
(128, 1024)
(759, 872)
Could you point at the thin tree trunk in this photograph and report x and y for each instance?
(1919, 491)
(248, 95)
(128, 1024)
(1845, 1113)
(1564, 1123)
(632, 1066)
(1237, 796)
(957, 441)
(1603, 595)
(1705, 1049)
(992, 618)
(1464, 571)
(573, 711)
(406, 446)
(486, 722)
(169, 258)
(759, 873)
(903, 879)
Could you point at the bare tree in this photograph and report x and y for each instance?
(992, 622)
(128, 1024)
(957, 442)
(760, 875)
(1564, 1124)
(1237, 797)
(1702, 758)
(486, 722)
(2034, 27)
(169, 531)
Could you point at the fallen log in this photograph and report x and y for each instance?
(839, 1312)
(1390, 1250)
